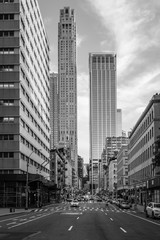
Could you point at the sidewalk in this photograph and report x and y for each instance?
(138, 208)
(10, 211)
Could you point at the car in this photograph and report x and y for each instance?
(125, 205)
(153, 210)
(69, 199)
(74, 203)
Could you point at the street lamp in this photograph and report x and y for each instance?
(27, 178)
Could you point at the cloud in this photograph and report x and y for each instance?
(80, 39)
(47, 21)
(83, 114)
(83, 84)
(132, 28)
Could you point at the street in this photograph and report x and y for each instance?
(89, 221)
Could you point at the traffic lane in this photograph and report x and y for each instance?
(8, 221)
(96, 225)
(134, 226)
(53, 226)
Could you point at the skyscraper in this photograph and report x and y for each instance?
(67, 82)
(103, 104)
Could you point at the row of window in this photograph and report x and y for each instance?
(144, 156)
(6, 33)
(38, 21)
(29, 130)
(6, 137)
(6, 85)
(6, 16)
(6, 155)
(143, 141)
(6, 50)
(33, 78)
(6, 68)
(34, 163)
(32, 148)
(36, 42)
(6, 1)
(142, 127)
(35, 109)
(7, 119)
(142, 174)
(7, 102)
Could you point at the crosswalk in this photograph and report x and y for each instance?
(84, 209)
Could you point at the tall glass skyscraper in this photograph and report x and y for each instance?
(67, 83)
(103, 104)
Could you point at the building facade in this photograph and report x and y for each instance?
(103, 105)
(67, 74)
(112, 147)
(54, 118)
(143, 175)
(122, 172)
(119, 123)
(24, 93)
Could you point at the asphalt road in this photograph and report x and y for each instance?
(91, 221)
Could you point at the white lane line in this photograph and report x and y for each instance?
(32, 217)
(10, 223)
(143, 219)
(77, 217)
(111, 219)
(70, 228)
(24, 219)
(32, 235)
(123, 230)
(31, 220)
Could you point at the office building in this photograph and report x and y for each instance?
(67, 74)
(24, 98)
(103, 105)
(143, 154)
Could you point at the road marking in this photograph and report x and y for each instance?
(72, 213)
(24, 219)
(13, 218)
(105, 213)
(31, 235)
(111, 219)
(77, 217)
(143, 219)
(11, 223)
(70, 228)
(31, 220)
(123, 230)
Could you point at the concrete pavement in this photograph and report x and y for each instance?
(10, 211)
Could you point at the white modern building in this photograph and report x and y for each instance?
(103, 105)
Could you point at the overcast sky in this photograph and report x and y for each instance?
(131, 28)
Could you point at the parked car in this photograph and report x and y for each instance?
(153, 210)
(125, 205)
(74, 203)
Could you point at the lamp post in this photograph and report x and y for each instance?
(26, 207)
(27, 181)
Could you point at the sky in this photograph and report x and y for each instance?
(130, 28)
